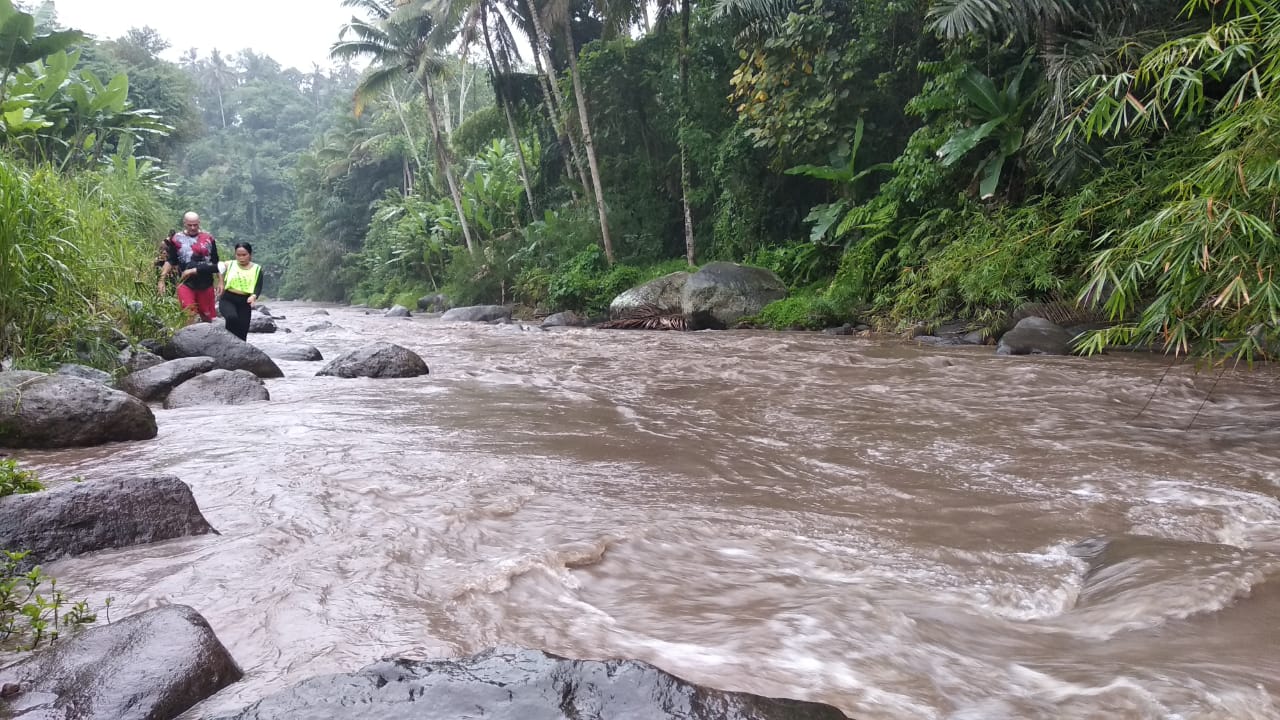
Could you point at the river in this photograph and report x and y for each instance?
(899, 531)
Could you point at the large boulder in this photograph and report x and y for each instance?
(55, 411)
(477, 313)
(517, 684)
(721, 293)
(379, 360)
(1035, 336)
(219, 387)
(660, 296)
(150, 666)
(228, 351)
(398, 311)
(82, 517)
(154, 383)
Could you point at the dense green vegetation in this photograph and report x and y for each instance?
(907, 162)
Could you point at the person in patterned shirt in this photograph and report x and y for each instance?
(194, 255)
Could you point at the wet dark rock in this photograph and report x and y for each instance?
(477, 313)
(1035, 336)
(218, 387)
(149, 666)
(721, 293)
(154, 383)
(259, 323)
(84, 372)
(845, 329)
(936, 340)
(56, 411)
(228, 351)
(379, 360)
(264, 310)
(82, 517)
(518, 684)
(660, 296)
(292, 351)
(137, 358)
(314, 327)
(568, 318)
(398, 311)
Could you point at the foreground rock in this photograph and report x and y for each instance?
(379, 360)
(154, 383)
(261, 323)
(149, 666)
(722, 293)
(660, 296)
(477, 313)
(1035, 336)
(99, 514)
(56, 411)
(228, 351)
(82, 517)
(515, 684)
(218, 387)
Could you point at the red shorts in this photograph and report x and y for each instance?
(198, 301)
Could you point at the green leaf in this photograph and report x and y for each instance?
(965, 140)
(990, 174)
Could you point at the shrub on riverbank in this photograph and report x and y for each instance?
(76, 265)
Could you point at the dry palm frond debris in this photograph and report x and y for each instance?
(646, 317)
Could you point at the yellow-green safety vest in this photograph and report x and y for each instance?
(241, 280)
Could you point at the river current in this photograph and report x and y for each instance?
(900, 531)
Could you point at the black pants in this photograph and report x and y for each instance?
(235, 309)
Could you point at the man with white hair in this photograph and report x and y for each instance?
(194, 254)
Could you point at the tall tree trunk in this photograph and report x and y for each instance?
(446, 113)
(463, 90)
(586, 140)
(685, 181)
(408, 134)
(446, 163)
(553, 115)
(500, 89)
(543, 47)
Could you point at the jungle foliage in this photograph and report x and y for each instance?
(894, 162)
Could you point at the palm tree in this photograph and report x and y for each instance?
(218, 75)
(398, 44)
(559, 15)
(485, 19)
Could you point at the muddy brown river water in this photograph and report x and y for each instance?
(900, 531)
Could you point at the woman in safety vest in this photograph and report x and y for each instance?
(241, 285)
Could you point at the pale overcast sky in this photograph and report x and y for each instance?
(296, 33)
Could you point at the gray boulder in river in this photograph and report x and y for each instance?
(58, 411)
(477, 313)
(519, 684)
(81, 517)
(228, 351)
(149, 666)
(721, 293)
(379, 360)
